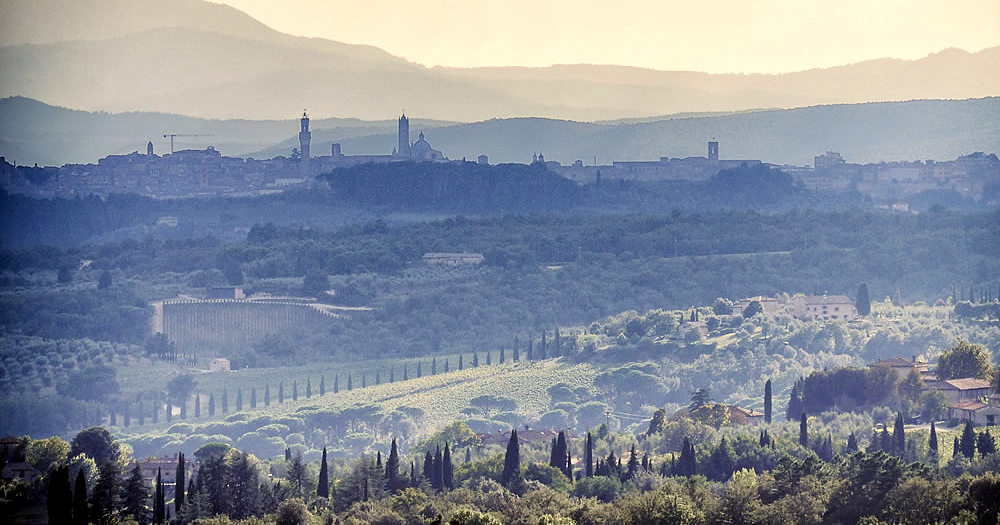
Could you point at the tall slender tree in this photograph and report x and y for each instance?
(60, 496)
(588, 456)
(81, 512)
(803, 430)
(767, 401)
(135, 496)
(863, 301)
(392, 468)
(898, 437)
(511, 461)
(105, 500)
(968, 441)
(159, 505)
(447, 469)
(323, 485)
(267, 395)
(932, 445)
(179, 476)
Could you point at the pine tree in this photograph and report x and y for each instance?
(968, 442)
(297, 475)
(767, 402)
(179, 480)
(588, 456)
(392, 468)
(511, 461)
(633, 464)
(803, 431)
(323, 485)
(135, 496)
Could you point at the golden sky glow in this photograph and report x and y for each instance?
(766, 36)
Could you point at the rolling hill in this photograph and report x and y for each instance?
(196, 58)
(33, 132)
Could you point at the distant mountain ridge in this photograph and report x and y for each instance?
(201, 59)
(31, 132)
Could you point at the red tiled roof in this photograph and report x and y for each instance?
(968, 405)
(968, 383)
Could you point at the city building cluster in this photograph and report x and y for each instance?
(193, 173)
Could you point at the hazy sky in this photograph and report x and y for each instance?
(718, 36)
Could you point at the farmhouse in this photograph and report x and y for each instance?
(962, 390)
(745, 416)
(219, 364)
(976, 412)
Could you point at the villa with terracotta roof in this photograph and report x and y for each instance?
(745, 416)
(977, 412)
(962, 390)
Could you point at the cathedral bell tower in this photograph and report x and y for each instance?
(305, 138)
(403, 149)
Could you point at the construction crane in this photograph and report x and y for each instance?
(172, 135)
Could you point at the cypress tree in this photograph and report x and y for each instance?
(281, 391)
(392, 374)
(516, 356)
(767, 401)
(81, 512)
(898, 439)
(932, 445)
(803, 431)
(460, 364)
(420, 372)
(322, 385)
(413, 474)
(448, 469)
(437, 470)
(179, 479)
(428, 470)
(563, 450)
(489, 360)
(542, 347)
(350, 382)
(127, 415)
(239, 399)
(852, 443)
(60, 496)
(687, 464)
(556, 344)
(267, 395)
(170, 411)
(447, 366)
(197, 405)
(956, 449)
(986, 444)
(468, 454)
(138, 409)
(531, 345)
(434, 365)
(863, 302)
(159, 506)
(225, 402)
(406, 372)
(553, 453)
(968, 442)
(588, 456)
(633, 464)
(511, 461)
(475, 359)
(295, 390)
(503, 355)
(211, 405)
(364, 380)
(309, 389)
(113, 420)
(253, 397)
(184, 406)
(392, 468)
(336, 383)
(323, 485)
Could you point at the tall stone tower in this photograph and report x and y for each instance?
(403, 150)
(305, 138)
(713, 151)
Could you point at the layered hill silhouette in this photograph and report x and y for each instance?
(33, 132)
(196, 58)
